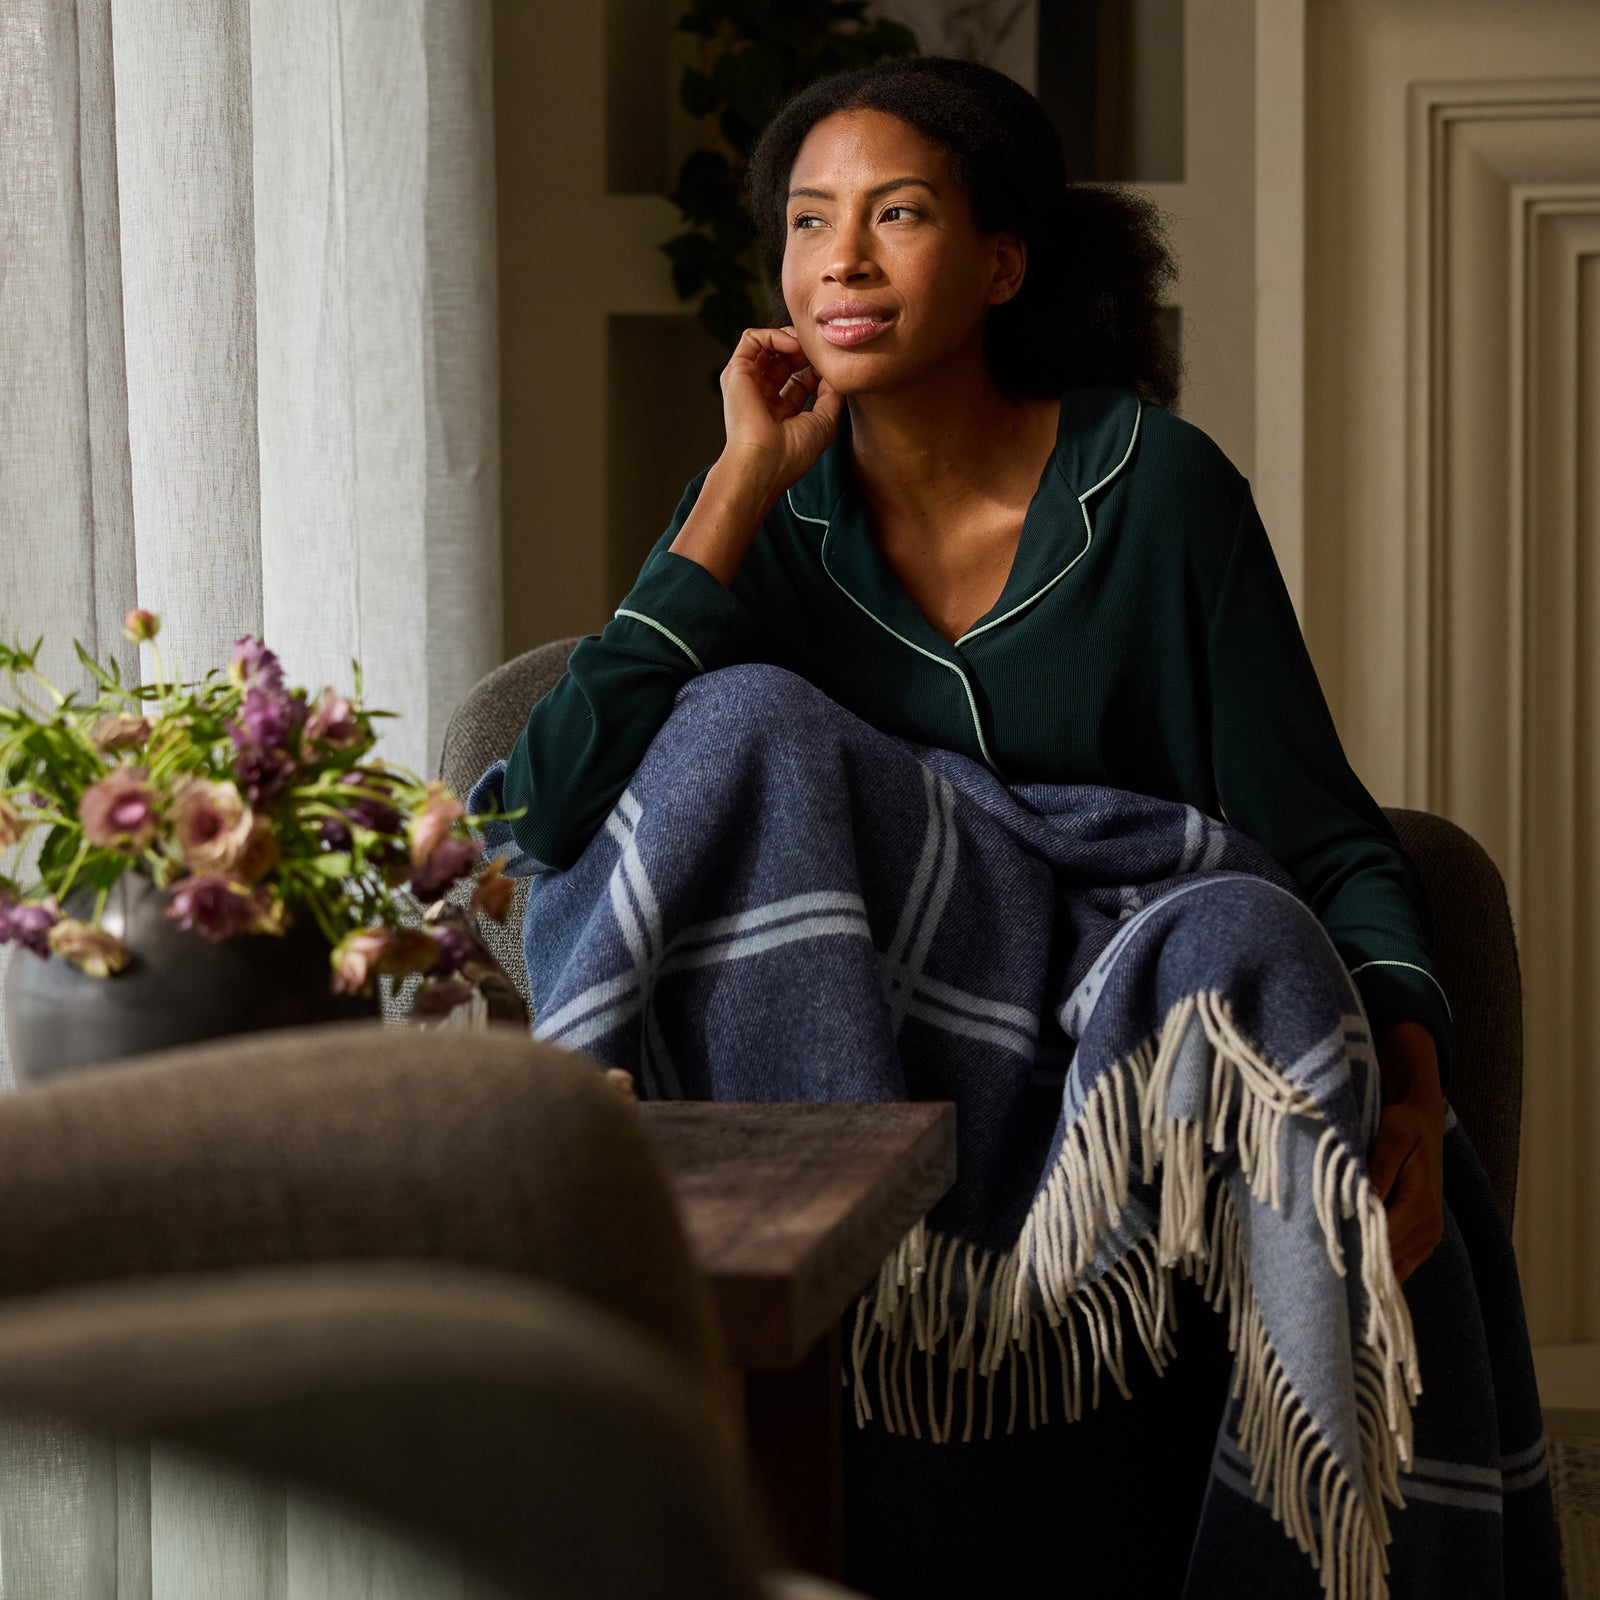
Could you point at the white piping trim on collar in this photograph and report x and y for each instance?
(788, 494)
(972, 633)
(826, 524)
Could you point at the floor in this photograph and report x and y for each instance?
(1574, 1438)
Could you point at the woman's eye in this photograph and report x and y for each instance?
(800, 221)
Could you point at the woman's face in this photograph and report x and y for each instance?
(874, 217)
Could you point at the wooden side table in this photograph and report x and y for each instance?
(790, 1210)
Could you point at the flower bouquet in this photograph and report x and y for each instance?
(248, 806)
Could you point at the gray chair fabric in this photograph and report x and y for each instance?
(351, 1142)
(1476, 943)
(544, 1443)
(480, 732)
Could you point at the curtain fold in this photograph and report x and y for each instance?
(248, 379)
(248, 340)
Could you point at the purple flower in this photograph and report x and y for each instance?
(26, 924)
(455, 949)
(253, 663)
(267, 718)
(450, 859)
(262, 774)
(334, 834)
(366, 813)
(216, 907)
(119, 812)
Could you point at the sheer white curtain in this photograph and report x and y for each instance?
(248, 379)
(248, 371)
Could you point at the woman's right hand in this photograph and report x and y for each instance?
(773, 441)
(765, 386)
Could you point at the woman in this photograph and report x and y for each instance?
(954, 498)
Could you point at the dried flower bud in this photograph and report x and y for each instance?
(12, 824)
(115, 733)
(88, 948)
(494, 892)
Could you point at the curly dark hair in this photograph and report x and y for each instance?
(1088, 311)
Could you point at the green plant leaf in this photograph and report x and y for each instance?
(707, 186)
(697, 93)
(726, 313)
(730, 275)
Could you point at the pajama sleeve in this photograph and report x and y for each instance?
(586, 736)
(1282, 777)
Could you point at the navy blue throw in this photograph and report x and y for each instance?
(1159, 1064)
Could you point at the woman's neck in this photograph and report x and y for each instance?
(931, 452)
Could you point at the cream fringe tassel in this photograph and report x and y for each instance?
(1294, 1466)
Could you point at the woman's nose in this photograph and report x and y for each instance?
(851, 255)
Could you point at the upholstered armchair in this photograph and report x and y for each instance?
(1476, 954)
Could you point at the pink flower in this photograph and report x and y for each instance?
(119, 812)
(433, 823)
(451, 859)
(217, 907)
(140, 625)
(332, 722)
(211, 824)
(88, 948)
(114, 733)
(494, 892)
(355, 959)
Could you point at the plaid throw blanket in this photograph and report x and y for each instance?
(1159, 1064)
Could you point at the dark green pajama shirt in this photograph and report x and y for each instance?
(1144, 640)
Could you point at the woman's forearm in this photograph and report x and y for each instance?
(735, 500)
(1408, 1061)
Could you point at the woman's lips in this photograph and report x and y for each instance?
(852, 333)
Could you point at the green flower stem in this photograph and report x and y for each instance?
(65, 886)
(161, 677)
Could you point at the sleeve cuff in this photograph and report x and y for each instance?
(1398, 991)
(706, 621)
